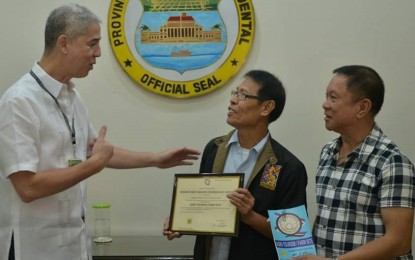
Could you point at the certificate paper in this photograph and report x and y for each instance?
(292, 233)
(200, 204)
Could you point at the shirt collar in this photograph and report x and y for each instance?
(51, 84)
(364, 149)
(258, 147)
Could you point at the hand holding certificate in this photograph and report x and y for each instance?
(200, 204)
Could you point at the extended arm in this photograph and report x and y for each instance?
(126, 159)
(31, 186)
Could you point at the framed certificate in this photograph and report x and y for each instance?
(200, 205)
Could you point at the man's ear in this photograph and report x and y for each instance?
(365, 106)
(267, 107)
(62, 43)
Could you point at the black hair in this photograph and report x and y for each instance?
(364, 82)
(271, 88)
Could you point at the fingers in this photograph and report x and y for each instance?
(241, 194)
(171, 235)
(191, 151)
(176, 157)
(166, 227)
(185, 163)
(166, 230)
(242, 199)
(102, 132)
(188, 155)
(101, 149)
(166, 224)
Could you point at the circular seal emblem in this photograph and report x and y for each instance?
(184, 48)
(289, 224)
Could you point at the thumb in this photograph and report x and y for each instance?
(102, 132)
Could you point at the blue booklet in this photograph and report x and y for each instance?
(292, 233)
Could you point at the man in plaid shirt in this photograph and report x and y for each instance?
(364, 184)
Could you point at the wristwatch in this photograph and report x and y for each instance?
(334, 258)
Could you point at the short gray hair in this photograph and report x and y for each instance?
(71, 20)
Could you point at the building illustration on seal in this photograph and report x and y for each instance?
(180, 35)
(181, 28)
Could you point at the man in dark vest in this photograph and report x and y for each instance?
(274, 177)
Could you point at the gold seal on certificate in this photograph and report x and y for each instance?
(200, 205)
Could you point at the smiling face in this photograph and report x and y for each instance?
(81, 53)
(245, 113)
(341, 107)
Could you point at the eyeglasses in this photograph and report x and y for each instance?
(242, 96)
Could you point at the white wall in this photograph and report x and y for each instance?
(300, 41)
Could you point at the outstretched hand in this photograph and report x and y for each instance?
(176, 157)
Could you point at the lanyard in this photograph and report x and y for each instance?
(71, 129)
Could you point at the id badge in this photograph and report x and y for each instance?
(73, 162)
